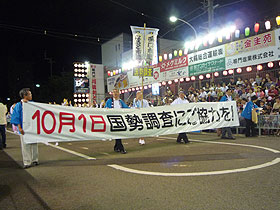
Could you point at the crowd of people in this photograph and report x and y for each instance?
(254, 94)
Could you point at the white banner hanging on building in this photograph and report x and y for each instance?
(144, 41)
(51, 123)
(268, 49)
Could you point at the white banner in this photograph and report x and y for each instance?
(147, 37)
(267, 47)
(52, 123)
(206, 55)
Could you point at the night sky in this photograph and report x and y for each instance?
(24, 42)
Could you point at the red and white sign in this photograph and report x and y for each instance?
(51, 123)
(94, 89)
(173, 64)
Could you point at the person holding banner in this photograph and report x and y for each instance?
(29, 151)
(247, 114)
(116, 103)
(227, 97)
(137, 103)
(181, 100)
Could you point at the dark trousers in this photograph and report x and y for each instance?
(118, 145)
(3, 136)
(228, 131)
(182, 136)
(250, 128)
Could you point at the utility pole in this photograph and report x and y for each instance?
(210, 7)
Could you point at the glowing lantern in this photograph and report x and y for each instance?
(267, 25)
(170, 55)
(225, 73)
(175, 53)
(137, 88)
(129, 90)
(165, 56)
(216, 74)
(249, 69)
(163, 83)
(220, 39)
(120, 71)
(247, 31)
(230, 71)
(160, 58)
(257, 27)
(208, 76)
(140, 88)
(193, 78)
(117, 71)
(205, 41)
(188, 79)
(111, 73)
(169, 82)
(180, 52)
(186, 51)
(133, 89)
(176, 80)
(159, 84)
(114, 72)
(145, 87)
(228, 36)
(150, 86)
(125, 91)
(259, 67)
(278, 20)
(182, 80)
(237, 34)
(239, 70)
(270, 64)
(201, 77)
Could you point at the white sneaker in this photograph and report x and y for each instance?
(141, 141)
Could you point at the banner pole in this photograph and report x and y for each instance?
(144, 58)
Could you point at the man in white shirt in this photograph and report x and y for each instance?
(3, 125)
(181, 100)
(117, 103)
(139, 102)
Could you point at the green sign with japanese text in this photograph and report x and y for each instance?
(207, 67)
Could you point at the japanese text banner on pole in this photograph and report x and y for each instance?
(144, 44)
(52, 123)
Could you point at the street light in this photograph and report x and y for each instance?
(174, 19)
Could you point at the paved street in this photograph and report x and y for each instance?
(205, 174)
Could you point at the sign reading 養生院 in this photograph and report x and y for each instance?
(52, 123)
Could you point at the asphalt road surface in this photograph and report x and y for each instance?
(208, 173)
